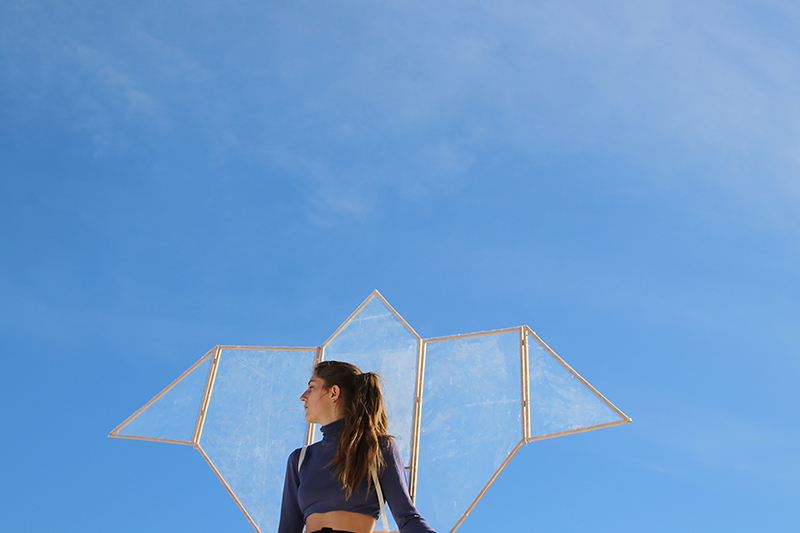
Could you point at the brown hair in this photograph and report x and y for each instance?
(365, 422)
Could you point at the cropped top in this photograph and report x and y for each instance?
(315, 489)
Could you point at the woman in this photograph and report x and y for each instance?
(330, 484)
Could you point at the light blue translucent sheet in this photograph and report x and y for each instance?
(471, 421)
(254, 421)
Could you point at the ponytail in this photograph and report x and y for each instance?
(365, 422)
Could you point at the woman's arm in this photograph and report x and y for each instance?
(291, 515)
(395, 490)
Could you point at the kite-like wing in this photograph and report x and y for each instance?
(484, 395)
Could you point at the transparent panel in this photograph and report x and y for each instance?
(560, 401)
(471, 421)
(375, 340)
(173, 416)
(254, 421)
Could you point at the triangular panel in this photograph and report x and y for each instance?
(561, 401)
(172, 415)
(471, 421)
(250, 427)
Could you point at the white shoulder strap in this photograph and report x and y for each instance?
(302, 456)
(380, 500)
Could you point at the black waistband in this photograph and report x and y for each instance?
(329, 530)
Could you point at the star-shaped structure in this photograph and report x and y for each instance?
(460, 407)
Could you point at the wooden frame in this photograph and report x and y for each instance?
(525, 335)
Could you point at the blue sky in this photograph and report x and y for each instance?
(622, 177)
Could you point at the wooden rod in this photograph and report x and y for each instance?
(227, 487)
(310, 429)
(580, 378)
(201, 417)
(287, 348)
(154, 439)
(395, 313)
(468, 335)
(354, 313)
(417, 425)
(489, 484)
(580, 430)
(526, 390)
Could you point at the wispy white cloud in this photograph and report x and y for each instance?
(406, 97)
(666, 82)
(108, 101)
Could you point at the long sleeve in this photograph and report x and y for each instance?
(291, 516)
(395, 490)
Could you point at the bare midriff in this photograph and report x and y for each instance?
(341, 520)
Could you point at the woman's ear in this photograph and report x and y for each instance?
(335, 392)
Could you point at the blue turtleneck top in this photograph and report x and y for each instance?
(316, 490)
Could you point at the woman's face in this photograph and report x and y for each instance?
(319, 402)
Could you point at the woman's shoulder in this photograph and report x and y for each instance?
(294, 456)
(296, 452)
